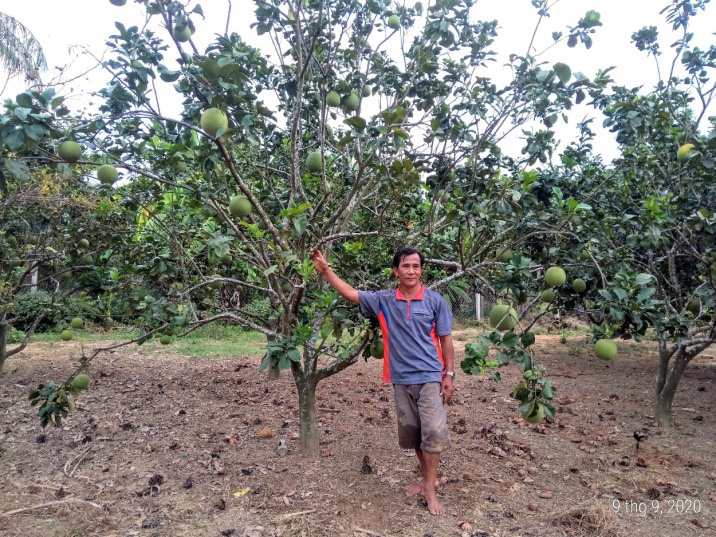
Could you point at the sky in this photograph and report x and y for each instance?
(74, 32)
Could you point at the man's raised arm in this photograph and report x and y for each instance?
(345, 290)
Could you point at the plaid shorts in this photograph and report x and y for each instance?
(422, 421)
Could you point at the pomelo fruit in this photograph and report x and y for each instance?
(547, 296)
(563, 340)
(87, 259)
(504, 255)
(503, 317)
(83, 243)
(212, 120)
(226, 259)
(394, 22)
(376, 348)
(182, 34)
(329, 131)
(286, 286)
(367, 91)
(107, 174)
(333, 99)
(119, 3)
(351, 102)
(70, 151)
(694, 305)
(584, 255)
(555, 276)
(239, 206)
(66, 335)
(683, 154)
(314, 162)
(537, 414)
(77, 323)
(217, 284)
(165, 339)
(80, 382)
(605, 349)
(579, 285)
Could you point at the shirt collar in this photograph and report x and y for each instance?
(419, 296)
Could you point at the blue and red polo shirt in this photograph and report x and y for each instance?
(411, 350)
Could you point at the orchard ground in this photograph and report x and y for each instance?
(167, 444)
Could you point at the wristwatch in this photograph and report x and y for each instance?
(450, 374)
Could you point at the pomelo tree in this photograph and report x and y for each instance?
(369, 126)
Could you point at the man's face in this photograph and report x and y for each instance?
(409, 270)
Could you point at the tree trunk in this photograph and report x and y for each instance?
(3, 343)
(667, 380)
(307, 415)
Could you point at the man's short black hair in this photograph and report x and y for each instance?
(404, 252)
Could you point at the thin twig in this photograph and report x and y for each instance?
(49, 504)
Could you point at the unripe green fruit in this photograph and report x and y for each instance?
(394, 22)
(83, 243)
(555, 276)
(563, 340)
(683, 154)
(605, 349)
(694, 305)
(208, 211)
(314, 162)
(504, 255)
(183, 34)
(226, 259)
(212, 120)
(165, 340)
(217, 284)
(239, 206)
(376, 348)
(119, 3)
(178, 286)
(351, 102)
(333, 99)
(80, 382)
(579, 285)
(329, 131)
(503, 317)
(77, 323)
(87, 260)
(70, 151)
(547, 296)
(66, 335)
(584, 255)
(169, 76)
(367, 91)
(536, 416)
(286, 286)
(107, 174)
(70, 404)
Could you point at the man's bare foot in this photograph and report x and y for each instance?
(434, 506)
(417, 488)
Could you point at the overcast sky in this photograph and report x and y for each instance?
(66, 27)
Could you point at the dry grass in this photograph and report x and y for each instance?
(589, 518)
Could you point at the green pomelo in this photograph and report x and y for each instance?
(226, 259)
(77, 323)
(70, 151)
(555, 276)
(503, 317)
(584, 255)
(579, 285)
(394, 22)
(87, 259)
(83, 243)
(694, 305)
(367, 91)
(605, 349)
(107, 174)
(504, 255)
(547, 296)
(165, 339)
(80, 382)
(314, 162)
(351, 102)
(683, 154)
(182, 34)
(212, 120)
(66, 335)
(217, 284)
(169, 76)
(537, 414)
(286, 286)
(239, 206)
(118, 3)
(563, 340)
(333, 99)
(376, 348)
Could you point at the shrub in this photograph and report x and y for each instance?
(261, 307)
(28, 306)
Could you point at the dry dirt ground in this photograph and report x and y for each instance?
(165, 446)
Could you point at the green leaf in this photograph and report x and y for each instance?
(357, 122)
(642, 278)
(509, 340)
(527, 339)
(563, 72)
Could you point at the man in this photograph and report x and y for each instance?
(412, 319)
